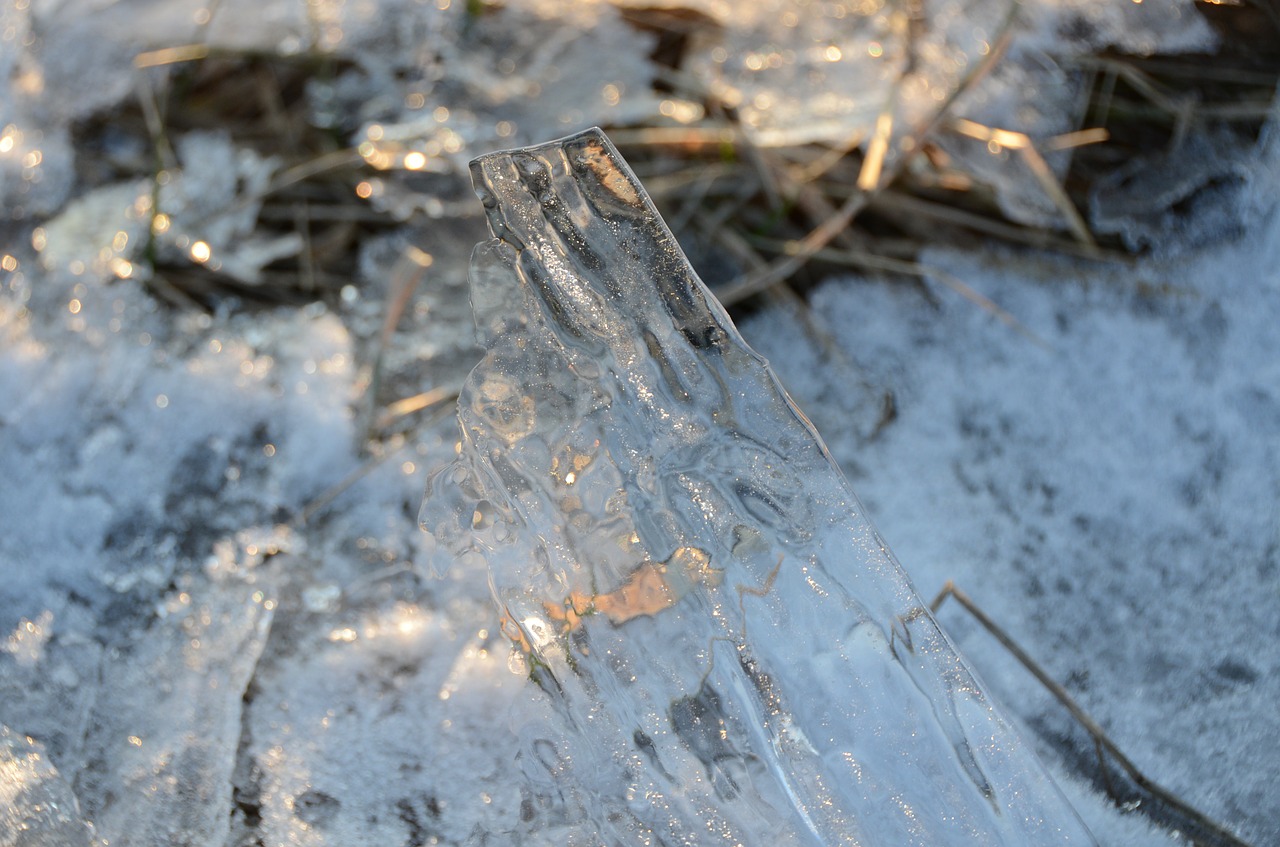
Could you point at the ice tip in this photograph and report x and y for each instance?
(590, 134)
(483, 167)
(502, 175)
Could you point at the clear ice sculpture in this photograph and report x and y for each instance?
(733, 654)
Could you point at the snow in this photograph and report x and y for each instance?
(1110, 495)
(216, 619)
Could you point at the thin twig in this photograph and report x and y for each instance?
(1022, 144)
(416, 403)
(405, 276)
(337, 160)
(336, 490)
(868, 261)
(1039, 238)
(1162, 795)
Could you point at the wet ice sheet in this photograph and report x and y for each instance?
(729, 644)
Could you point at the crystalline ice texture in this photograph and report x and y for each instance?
(37, 807)
(734, 655)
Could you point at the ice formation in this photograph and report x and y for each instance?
(854, 61)
(734, 655)
(37, 806)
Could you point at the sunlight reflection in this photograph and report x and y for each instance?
(27, 641)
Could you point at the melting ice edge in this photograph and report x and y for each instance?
(734, 655)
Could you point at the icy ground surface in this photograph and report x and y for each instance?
(215, 624)
(202, 659)
(1114, 489)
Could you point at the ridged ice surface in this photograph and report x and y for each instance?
(734, 654)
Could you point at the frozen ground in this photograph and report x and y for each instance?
(1114, 489)
(216, 618)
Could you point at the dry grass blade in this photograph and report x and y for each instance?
(1039, 168)
(324, 163)
(175, 296)
(695, 196)
(795, 258)
(682, 139)
(829, 158)
(1214, 833)
(873, 165)
(171, 55)
(1139, 81)
(306, 255)
(336, 490)
(1183, 109)
(953, 214)
(1044, 175)
(405, 277)
(1079, 138)
(752, 153)
(756, 281)
(416, 403)
(866, 261)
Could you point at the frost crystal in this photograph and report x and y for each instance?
(734, 655)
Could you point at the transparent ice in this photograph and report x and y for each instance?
(37, 806)
(802, 73)
(734, 654)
